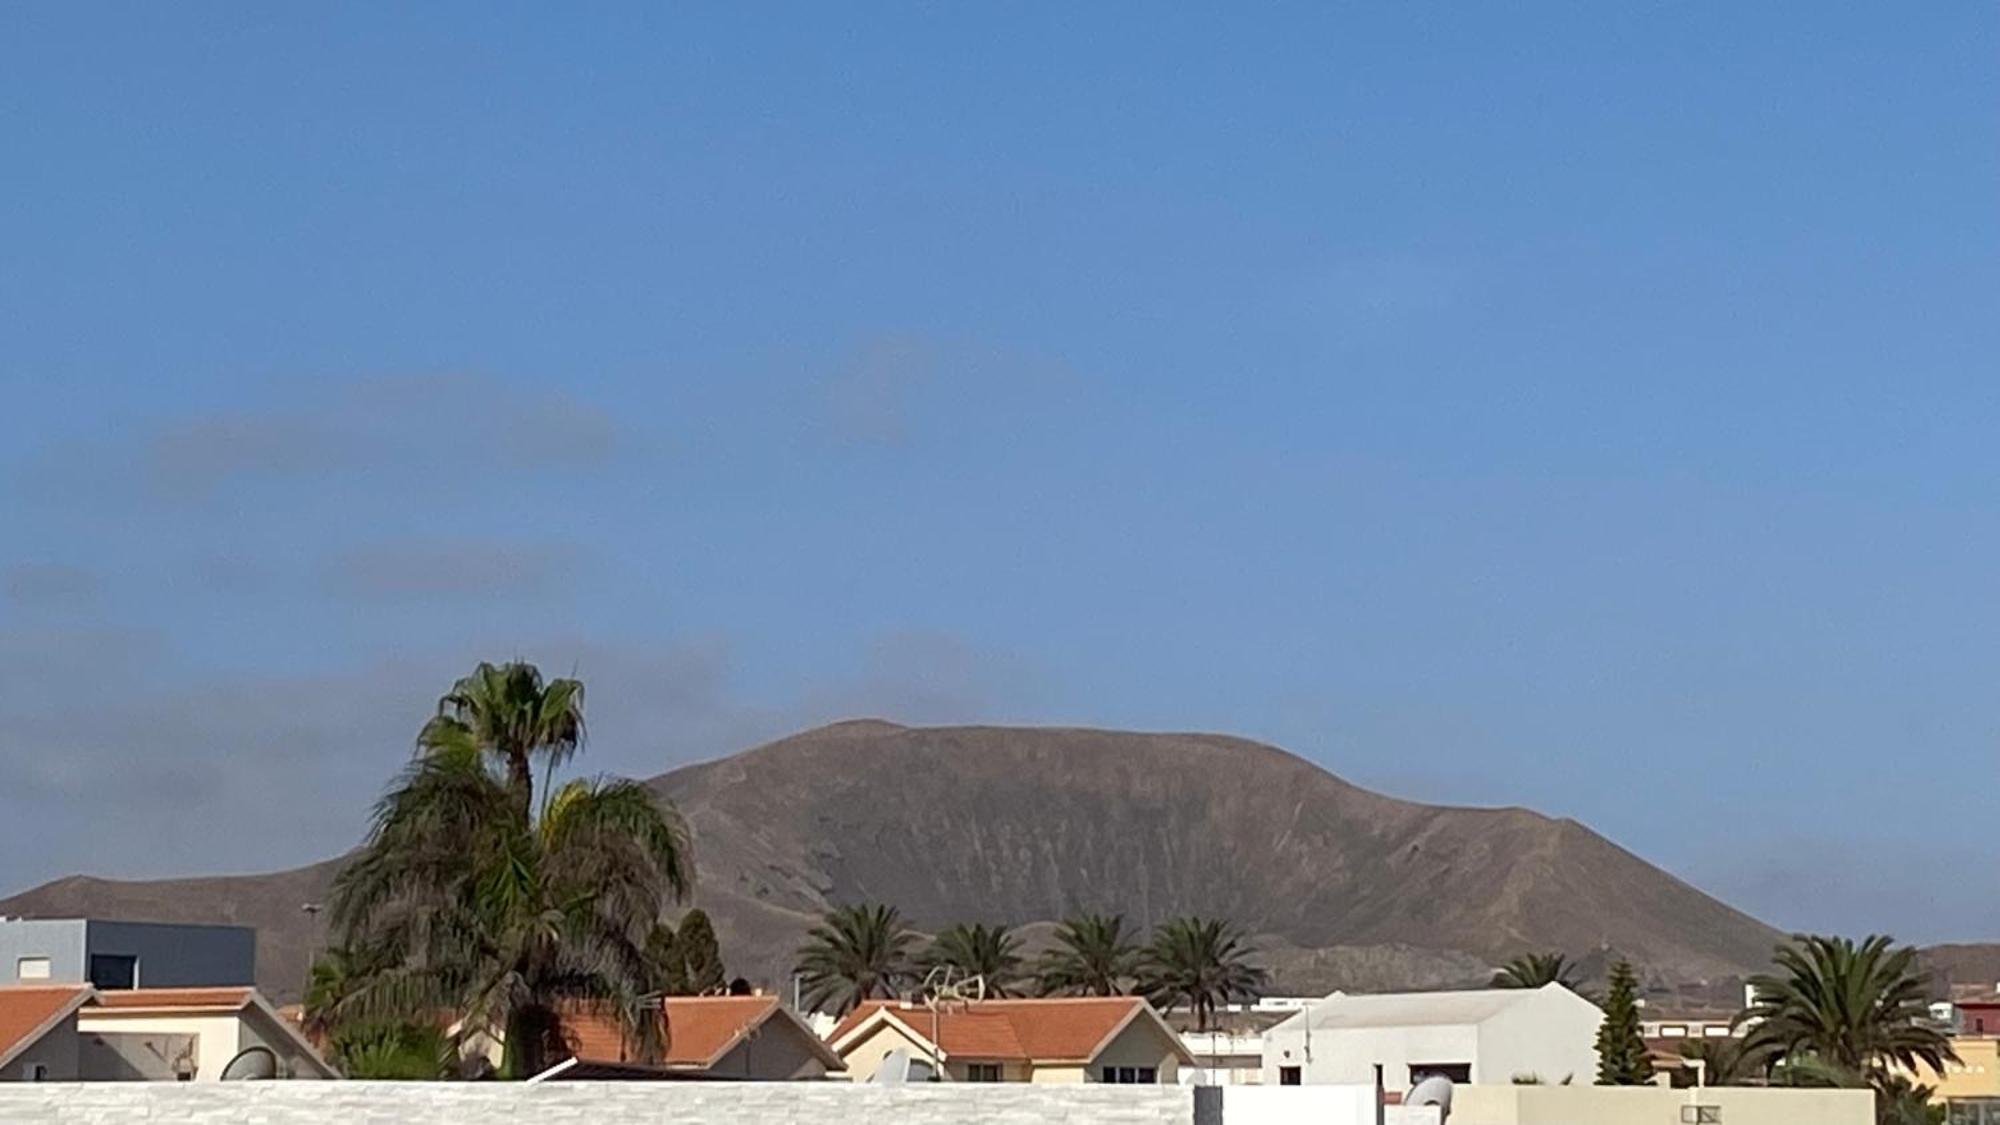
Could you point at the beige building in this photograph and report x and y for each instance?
(69, 1033)
(1112, 1039)
(1652, 1105)
(189, 1034)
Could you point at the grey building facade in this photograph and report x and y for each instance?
(116, 955)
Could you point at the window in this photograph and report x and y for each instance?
(1460, 1074)
(1131, 1075)
(113, 971)
(982, 1072)
(31, 968)
(1288, 1076)
(38, 1072)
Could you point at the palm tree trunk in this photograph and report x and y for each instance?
(521, 780)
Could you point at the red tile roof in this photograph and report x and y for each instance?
(1065, 1029)
(699, 1031)
(28, 1011)
(178, 999)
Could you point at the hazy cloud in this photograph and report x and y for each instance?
(898, 390)
(194, 456)
(1919, 890)
(430, 569)
(34, 585)
(130, 782)
(871, 396)
(454, 425)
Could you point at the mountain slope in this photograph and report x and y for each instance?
(1026, 824)
(1009, 824)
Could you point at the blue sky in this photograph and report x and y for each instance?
(1582, 406)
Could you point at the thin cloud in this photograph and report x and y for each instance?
(871, 396)
(127, 783)
(900, 390)
(40, 585)
(451, 426)
(431, 569)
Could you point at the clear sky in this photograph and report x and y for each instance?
(1587, 406)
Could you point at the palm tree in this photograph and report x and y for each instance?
(466, 899)
(1728, 1060)
(988, 952)
(1537, 970)
(1094, 956)
(508, 714)
(1200, 962)
(1858, 1009)
(856, 953)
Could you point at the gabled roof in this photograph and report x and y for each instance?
(700, 1031)
(1050, 1030)
(1416, 1009)
(117, 1003)
(28, 1012)
(175, 999)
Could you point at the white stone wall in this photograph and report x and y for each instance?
(586, 1103)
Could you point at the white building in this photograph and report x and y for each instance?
(1489, 1036)
(1223, 1058)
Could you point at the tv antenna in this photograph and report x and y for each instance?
(944, 989)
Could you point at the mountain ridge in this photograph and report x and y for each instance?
(1027, 824)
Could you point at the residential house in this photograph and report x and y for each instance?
(1231, 1051)
(1115, 1039)
(1970, 1087)
(186, 1034)
(113, 955)
(38, 1040)
(74, 1032)
(1668, 1031)
(724, 1037)
(1489, 1036)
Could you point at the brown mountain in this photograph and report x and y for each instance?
(1018, 825)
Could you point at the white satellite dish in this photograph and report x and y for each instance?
(1432, 1089)
(899, 1069)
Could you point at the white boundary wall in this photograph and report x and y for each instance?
(685, 1103)
(843, 1103)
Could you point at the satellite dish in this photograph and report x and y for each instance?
(253, 1064)
(1432, 1089)
(895, 1069)
(899, 1069)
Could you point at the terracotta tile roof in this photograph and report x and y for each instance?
(180, 999)
(700, 1029)
(1068, 1029)
(27, 1011)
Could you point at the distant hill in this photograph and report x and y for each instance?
(1969, 967)
(1344, 887)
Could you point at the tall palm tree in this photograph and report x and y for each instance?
(509, 714)
(1094, 956)
(1200, 962)
(856, 953)
(1859, 1009)
(1537, 970)
(979, 950)
(466, 898)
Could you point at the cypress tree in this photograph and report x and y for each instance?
(1621, 1052)
(700, 957)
